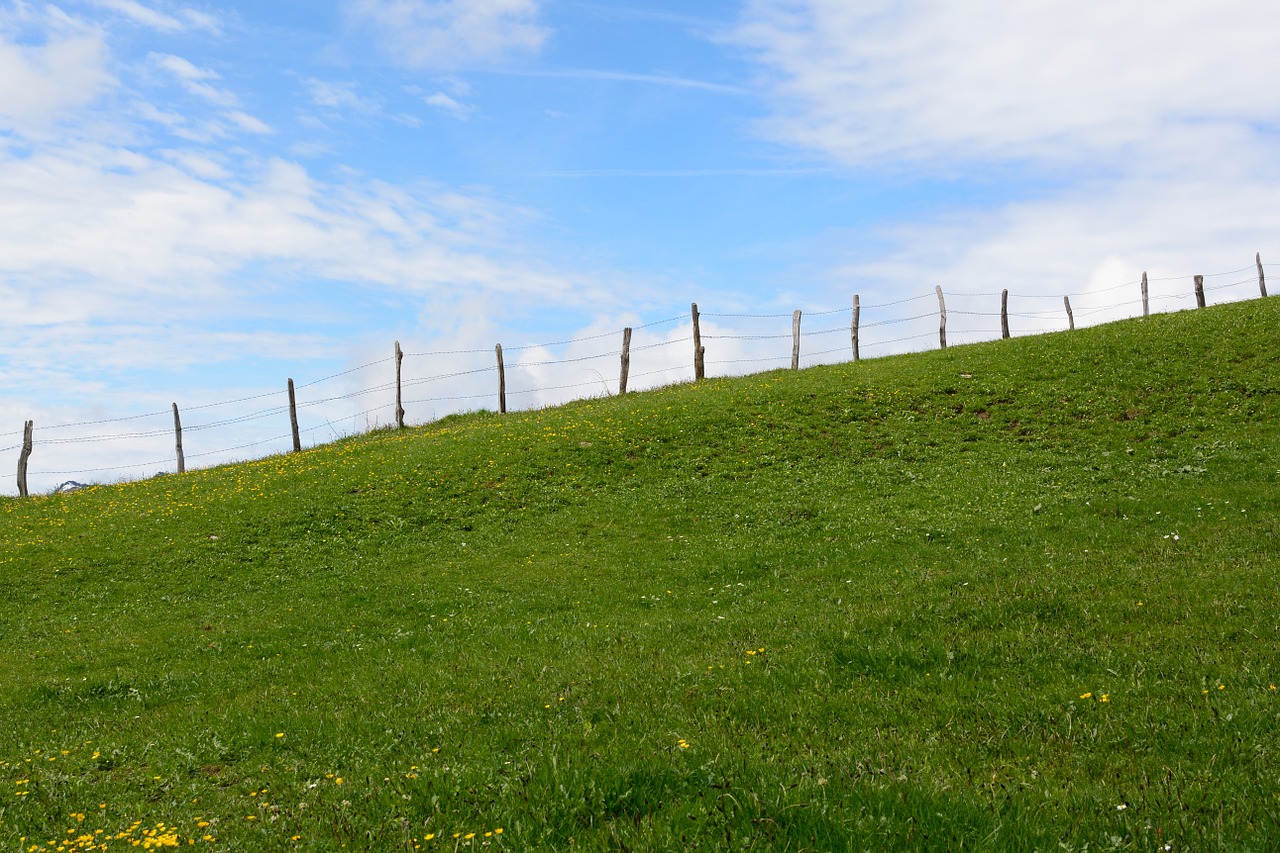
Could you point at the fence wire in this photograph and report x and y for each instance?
(980, 306)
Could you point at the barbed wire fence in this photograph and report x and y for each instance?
(375, 393)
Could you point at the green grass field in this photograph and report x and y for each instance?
(1019, 595)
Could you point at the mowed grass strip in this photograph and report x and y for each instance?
(1014, 595)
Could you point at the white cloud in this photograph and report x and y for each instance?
(341, 95)
(446, 34)
(92, 233)
(194, 79)
(146, 16)
(248, 123)
(934, 82)
(441, 101)
(39, 84)
(1105, 138)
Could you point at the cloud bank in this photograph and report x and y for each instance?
(1134, 137)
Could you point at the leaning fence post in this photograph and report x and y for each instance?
(626, 361)
(795, 340)
(1146, 307)
(293, 419)
(1262, 277)
(502, 382)
(1004, 313)
(854, 329)
(1071, 320)
(1199, 291)
(942, 315)
(699, 351)
(177, 431)
(399, 405)
(23, 457)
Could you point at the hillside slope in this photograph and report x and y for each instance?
(1013, 595)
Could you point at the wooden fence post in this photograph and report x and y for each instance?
(1199, 291)
(1262, 277)
(23, 457)
(1004, 313)
(857, 309)
(795, 340)
(942, 315)
(1071, 320)
(293, 419)
(1146, 306)
(502, 382)
(626, 361)
(177, 431)
(399, 405)
(699, 351)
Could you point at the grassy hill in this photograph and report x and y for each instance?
(1015, 595)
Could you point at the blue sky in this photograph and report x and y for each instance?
(198, 200)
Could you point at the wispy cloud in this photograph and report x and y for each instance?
(670, 80)
(341, 96)
(444, 102)
(449, 34)
(248, 123)
(146, 16)
(686, 173)
(195, 80)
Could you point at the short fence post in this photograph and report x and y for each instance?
(795, 340)
(1262, 277)
(942, 317)
(857, 308)
(626, 361)
(1199, 291)
(1004, 313)
(1146, 306)
(699, 351)
(399, 406)
(502, 382)
(177, 431)
(1071, 320)
(293, 419)
(23, 457)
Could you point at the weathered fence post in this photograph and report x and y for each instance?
(857, 309)
(399, 405)
(23, 457)
(502, 382)
(942, 317)
(1262, 277)
(1004, 313)
(177, 431)
(795, 340)
(626, 361)
(1071, 320)
(293, 419)
(1146, 306)
(1199, 291)
(699, 351)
